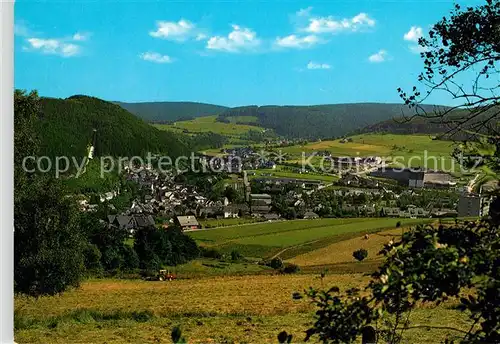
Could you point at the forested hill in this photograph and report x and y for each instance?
(66, 127)
(321, 121)
(401, 126)
(171, 111)
(444, 128)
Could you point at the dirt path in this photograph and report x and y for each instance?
(290, 247)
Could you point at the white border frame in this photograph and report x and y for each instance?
(7, 170)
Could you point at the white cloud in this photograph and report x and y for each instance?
(35, 42)
(237, 40)
(414, 34)
(381, 56)
(70, 49)
(178, 31)
(330, 25)
(315, 65)
(156, 57)
(201, 37)
(297, 42)
(81, 36)
(53, 46)
(304, 12)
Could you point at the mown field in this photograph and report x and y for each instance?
(290, 238)
(228, 309)
(407, 150)
(341, 252)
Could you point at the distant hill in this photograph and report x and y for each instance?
(443, 129)
(66, 129)
(309, 122)
(321, 121)
(162, 112)
(400, 126)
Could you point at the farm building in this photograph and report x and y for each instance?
(188, 222)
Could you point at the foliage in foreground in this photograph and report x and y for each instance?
(428, 266)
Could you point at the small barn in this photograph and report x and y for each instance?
(187, 222)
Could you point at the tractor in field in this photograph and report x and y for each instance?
(162, 275)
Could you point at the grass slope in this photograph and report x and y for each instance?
(208, 124)
(263, 240)
(341, 252)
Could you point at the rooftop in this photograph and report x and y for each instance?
(188, 220)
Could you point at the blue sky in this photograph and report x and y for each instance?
(223, 52)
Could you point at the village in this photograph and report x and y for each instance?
(167, 200)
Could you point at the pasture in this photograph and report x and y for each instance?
(207, 124)
(289, 238)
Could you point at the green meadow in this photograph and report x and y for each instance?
(207, 124)
(262, 240)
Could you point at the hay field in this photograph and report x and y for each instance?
(217, 309)
(341, 252)
(252, 309)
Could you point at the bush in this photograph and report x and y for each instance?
(235, 255)
(360, 254)
(290, 268)
(276, 263)
(210, 253)
(92, 257)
